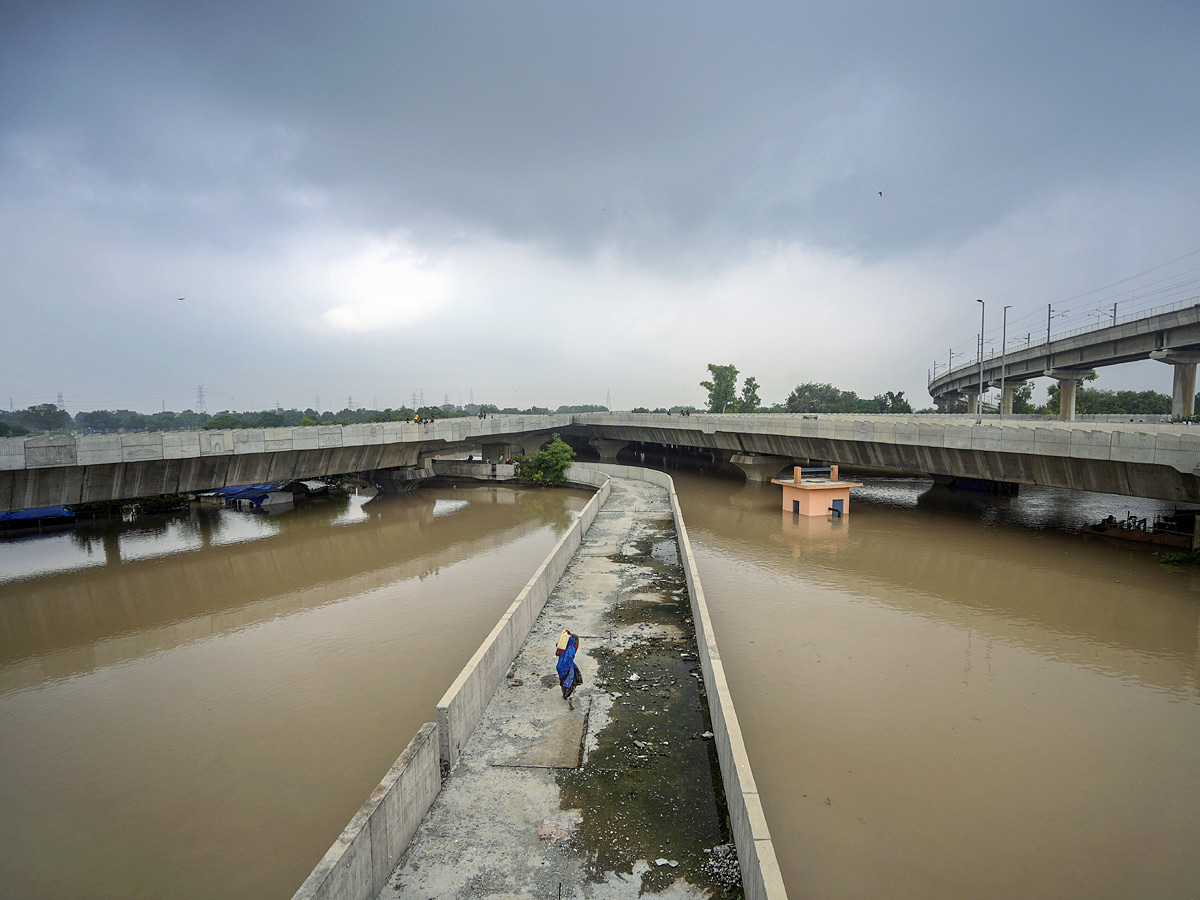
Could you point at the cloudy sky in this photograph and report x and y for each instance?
(548, 203)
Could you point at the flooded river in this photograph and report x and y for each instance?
(943, 695)
(196, 709)
(948, 695)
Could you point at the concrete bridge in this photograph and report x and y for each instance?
(66, 469)
(1170, 336)
(1137, 459)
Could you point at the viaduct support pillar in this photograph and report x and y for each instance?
(400, 480)
(497, 450)
(607, 449)
(1183, 392)
(760, 466)
(971, 395)
(1006, 400)
(1068, 382)
(531, 444)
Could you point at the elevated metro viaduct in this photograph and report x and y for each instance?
(1160, 461)
(1171, 337)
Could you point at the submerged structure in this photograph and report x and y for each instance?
(816, 492)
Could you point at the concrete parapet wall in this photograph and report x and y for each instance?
(361, 860)
(761, 878)
(479, 471)
(463, 704)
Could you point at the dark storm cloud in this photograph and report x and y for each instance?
(327, 172)
(648, 125)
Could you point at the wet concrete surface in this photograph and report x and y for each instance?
(619, 797)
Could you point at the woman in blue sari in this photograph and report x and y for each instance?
(568, 673)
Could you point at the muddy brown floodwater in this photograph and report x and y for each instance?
(943, 695)
(951, 695)
(196, 709)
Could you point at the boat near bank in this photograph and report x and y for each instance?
(1176, 531)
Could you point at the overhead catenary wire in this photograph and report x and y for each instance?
(1066, 315)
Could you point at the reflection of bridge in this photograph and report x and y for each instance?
(1142, 460)
(82, 619)
(1171, 336)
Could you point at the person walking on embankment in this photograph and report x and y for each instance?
(568, 673)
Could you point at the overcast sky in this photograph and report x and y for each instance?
(544, 203)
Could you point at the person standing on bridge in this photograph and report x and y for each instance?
(568, 673)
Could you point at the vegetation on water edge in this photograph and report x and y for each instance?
(1180, 558)
(548, 465)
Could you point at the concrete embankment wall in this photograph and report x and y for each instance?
(761, 878)
(361, 860)
(363, 857)
(462, 706)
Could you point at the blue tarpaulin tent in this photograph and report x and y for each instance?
(255, 493)
(32, 515)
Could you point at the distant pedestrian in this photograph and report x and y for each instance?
(568, 673)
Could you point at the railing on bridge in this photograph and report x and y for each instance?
(995, 357)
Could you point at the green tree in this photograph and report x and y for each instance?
(722, 390)
(888, 402)
(1023, 399)
(267, 419)
(749, 402)
(548, 465)
(812, 397)
(190, 420)
(224, 420)
(44, 417)
(98, 420)
(162, 421)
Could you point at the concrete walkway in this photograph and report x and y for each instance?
(618, 796)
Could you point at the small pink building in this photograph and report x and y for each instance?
(816, 492)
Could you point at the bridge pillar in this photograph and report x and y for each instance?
(1068, 382)
(972, 395)
(760, 466)
(529, 446)
(1183, 393)
(1006, 400)
(495, 450)
(400, 480)
(608, 449)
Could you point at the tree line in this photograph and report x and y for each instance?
(48, 417)
(810, 397)
(814, 397)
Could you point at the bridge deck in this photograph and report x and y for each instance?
(1138, 459)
